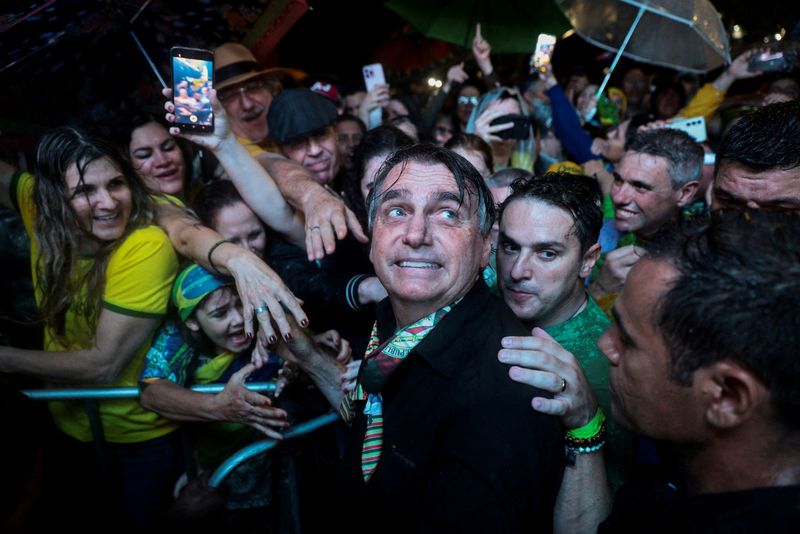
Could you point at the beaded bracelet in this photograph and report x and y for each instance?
(211, 251)
(600, 437)
(587, 439)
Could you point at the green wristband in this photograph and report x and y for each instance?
(590, 429)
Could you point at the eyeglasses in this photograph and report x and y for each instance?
(468, 100)
(249, 88)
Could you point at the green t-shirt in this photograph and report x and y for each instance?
(579, 336)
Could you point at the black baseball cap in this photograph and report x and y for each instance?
(298, 112)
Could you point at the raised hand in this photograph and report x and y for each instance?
(481, 50)
(238, 404)
(483, 124)
(541, 362)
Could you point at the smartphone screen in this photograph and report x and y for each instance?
(544, 50)
(192, 81)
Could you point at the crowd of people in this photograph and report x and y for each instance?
(530, 315)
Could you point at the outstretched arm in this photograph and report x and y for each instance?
(709, 97)
(234, 404)
(584, 498)
(327, 218)
(481, 51)
(257, 284)
(327, 371)
(253, 182)
(117, 338)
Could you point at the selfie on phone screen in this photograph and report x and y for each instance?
(192, 84)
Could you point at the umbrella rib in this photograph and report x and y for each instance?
(665, 14)
(26, 16)
(136, 16)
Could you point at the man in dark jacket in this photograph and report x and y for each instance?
(440, 438)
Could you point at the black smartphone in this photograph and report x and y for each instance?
(773, 61)
(521, 129)
(192, 81)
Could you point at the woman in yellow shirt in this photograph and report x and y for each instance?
(102, 273)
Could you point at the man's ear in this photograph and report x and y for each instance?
(192, 324)
(732, 393)
(686, 193)
(487, 250)
(590, 257)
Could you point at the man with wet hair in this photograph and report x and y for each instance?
(703, 357)
(758, 161)
(440, 438)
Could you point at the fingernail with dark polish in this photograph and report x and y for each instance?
(287, 337)
(249, 335)
(272, 340)
(304, 323)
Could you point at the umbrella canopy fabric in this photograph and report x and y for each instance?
(63, 60)
(511, 25)
(686, 35)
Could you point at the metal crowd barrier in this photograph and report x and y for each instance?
(127, 392)
(261, 447)
(91, 397)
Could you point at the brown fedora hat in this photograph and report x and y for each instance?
(234, 63)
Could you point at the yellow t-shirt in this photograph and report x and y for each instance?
(705, 102)
(139, 275)
(254, 149)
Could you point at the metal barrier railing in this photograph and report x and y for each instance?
(91, 396)
(127, 392)
(261, 447)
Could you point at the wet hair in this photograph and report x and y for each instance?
(578, 195)
(767, 138)
(380, 141)
(467, 178)
(213, 198)
(735, 298)
(684, 156)
(474, 143)
(58, 231)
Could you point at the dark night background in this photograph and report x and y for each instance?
(94, 71)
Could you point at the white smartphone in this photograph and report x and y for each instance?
(373, 75)
(545, 44)
(695, 127)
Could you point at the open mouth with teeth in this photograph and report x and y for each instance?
(250, 116)
(106, 218)
(624, 213)
(409, 264)
(167, 175)
(238, 337)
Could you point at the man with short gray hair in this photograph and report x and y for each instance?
(657, 176)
